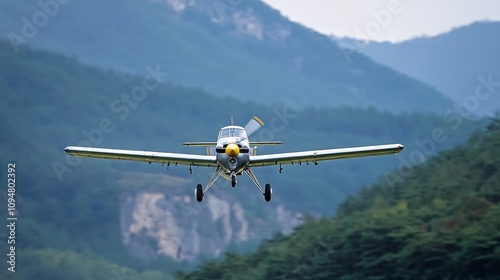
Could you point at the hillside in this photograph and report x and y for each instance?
(453, 62)
(241, 49)
(440, 223)
(110, 213)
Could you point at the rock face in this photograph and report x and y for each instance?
(160, 217)
(239, 17)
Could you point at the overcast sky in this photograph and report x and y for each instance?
(386, 20)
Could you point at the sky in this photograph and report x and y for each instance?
(386, 20)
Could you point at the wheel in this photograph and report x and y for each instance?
(198, 193)
(268, 192)
(233, 180)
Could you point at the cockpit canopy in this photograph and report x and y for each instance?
(232, 132)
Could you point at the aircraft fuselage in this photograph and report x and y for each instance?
(233, 149)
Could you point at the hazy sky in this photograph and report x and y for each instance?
(382, 20)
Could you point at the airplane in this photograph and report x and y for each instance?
(234, 155)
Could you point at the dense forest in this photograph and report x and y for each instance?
(70, 225)
(441, 222)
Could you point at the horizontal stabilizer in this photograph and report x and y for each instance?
(265, 143)
(200, 144)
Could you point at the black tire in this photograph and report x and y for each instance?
(268, 192)
(199, 193)
(233, 181)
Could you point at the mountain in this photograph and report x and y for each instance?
(240, 49)
(439, 223)
(456, 63)
(109, 214)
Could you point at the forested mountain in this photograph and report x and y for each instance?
(439, 222)
(242, 49)
(456, 63)
(83, 217)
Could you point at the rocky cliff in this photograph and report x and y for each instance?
(160, 217)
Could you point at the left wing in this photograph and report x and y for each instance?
(318, 155)
(145, 156)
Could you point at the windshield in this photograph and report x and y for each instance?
(232, 132)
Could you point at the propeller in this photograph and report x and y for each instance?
(253, 125)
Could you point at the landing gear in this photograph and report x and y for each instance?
(268, 192)
(198, 193)
(233, 180)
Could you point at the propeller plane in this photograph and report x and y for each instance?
(234, 155)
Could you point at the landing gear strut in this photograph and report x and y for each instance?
(233, 179)
(268, 192)
(199, 192)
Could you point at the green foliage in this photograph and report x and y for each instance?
(442, 223)
(54, 264)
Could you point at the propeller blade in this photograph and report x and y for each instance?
(253, 125)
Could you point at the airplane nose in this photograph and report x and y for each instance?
(232, 150)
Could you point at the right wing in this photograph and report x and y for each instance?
(318, 155)
(145, 156)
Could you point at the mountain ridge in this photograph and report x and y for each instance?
(247, 50)
(456, 63)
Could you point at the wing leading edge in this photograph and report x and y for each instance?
(319, 155)
(144, 156)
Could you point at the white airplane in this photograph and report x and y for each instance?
(235, 155)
